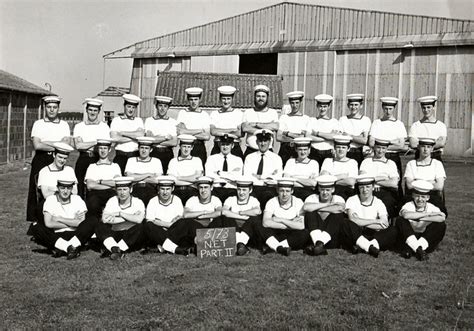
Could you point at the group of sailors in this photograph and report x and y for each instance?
(334, 183)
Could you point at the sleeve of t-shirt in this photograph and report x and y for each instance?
(216, 202)
(353, 169)
(270, 206)
(409, 170)
(412, 131)
(41, 177)
(228, 202)
(140, 206)
(407, 207)
(178, 206)
(282, 126)
(172, 168)
(381, 209)
(313, 198)
(326, 165)
(109, 206)
(48, 205)
(114, 126)
(367, 124)
(351, 203)
(35, 130)
(180, 118)
(129, 167)
(158, 167)
(140, 122)
(116, 170)
(81, 205)
(338, 199)
(439, 170)
(150, 210)
(403, 130)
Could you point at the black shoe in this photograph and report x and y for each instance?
(374, 251)
(104, 253)
(116, 253)
(29, 232)
(242, 249)
(57, 253)
(181, 251)
(319, 249)
(406, 253)
(421, 254)
(309, 250)
(266, 250)
(284, 250)
(73, 252)
(355, 249)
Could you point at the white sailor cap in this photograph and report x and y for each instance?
(226, 138)
(163, 99)
(426, 141)
(263, 134)
(381, 142)
(295, 95)
(244, 181)
(93, 102)
(193, 91)
(51, 99)
(261, 88)
(389, 101)
(364, 179)
(62, 148)
(66, 179)
(422, 186)
(165, 180)
(123, 181)
(342, 140)
(226, 90)
(131, 98)
(104, 142)
(429, 99)
(323, 98)
(302, 141)
(145, 141)
(204, 180)
(355, 97)
(286, 182)
(326, 180)
(186, 139)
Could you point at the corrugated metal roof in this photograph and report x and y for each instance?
(173, 84)
(293, 27)
(114, 91)
(11, 82)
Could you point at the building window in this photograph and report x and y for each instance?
(263, 64)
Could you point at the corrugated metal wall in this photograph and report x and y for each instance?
(407, 74)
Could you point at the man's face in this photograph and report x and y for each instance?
(52, 110)
(323, 109)
(226, 101)
(92, 112)
(103, 151)
(123, 192)
(261, 100)
(130, 110)
(354, 107)
(263, 145)
(162, 109)
(366, 190)
(388, 110)
(284, 194)
(341, 151)
(144, 151)
(243, 193)
(164, 193)
(427, 110)
(194, 102)
(325, 193)
(295, 105)
(379, 151)
(302, 152)
(205, 191)
(225, 148)
(425, 150)
(60, 159)
(185, 149)
(64, 191)
(420, 200)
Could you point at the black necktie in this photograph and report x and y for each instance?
(224, 166)
(260, 166)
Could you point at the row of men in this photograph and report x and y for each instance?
(323, 221)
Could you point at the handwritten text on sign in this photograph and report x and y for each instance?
(218, 242)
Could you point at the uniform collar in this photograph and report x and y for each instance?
(220, 110)
(157, 118)
(56, 120)
(124, 117)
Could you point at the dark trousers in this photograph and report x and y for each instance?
(250, 227)
(356, 154)
(85, 159)
(286, 152)
(320, 155)
(332, 225)
(47, 237)
(121, 159)
(144, 191)
(351, 232)
(164, 155)
(96, 201)
(236, 150)
(389, 197)
(433, 233)
(395, 157)
(297, 239)
(184, 192)
(344, 191)
(40, 160)
(155, 234)
(134, 237)
(263, 194)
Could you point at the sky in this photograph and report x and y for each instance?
(62, 42)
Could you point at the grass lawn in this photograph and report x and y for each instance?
(271, 292)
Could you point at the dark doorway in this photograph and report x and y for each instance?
(263, 64)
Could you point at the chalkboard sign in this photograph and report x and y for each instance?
(217, 242)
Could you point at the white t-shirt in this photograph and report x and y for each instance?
(314, 198)
(428, 172)
(295, 123)
(126, 124)
(376, 167)
(432, 130)
(308, 169)
(355, 127)
(137, 166)
(326, 125)
(226, 119)
(273, 207)
(165, 213)
(419, 226)
(272, 164)
(388, 129)
(91, 132)
(50, 131)
(102, 171)
(250, 115)
(194, 120)
(193, 204)
(233, 204)
(49, 177)
(376, 209)
(184, 167)
(134, 206)
(341, 167)
(161, 126)
(68, 210)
